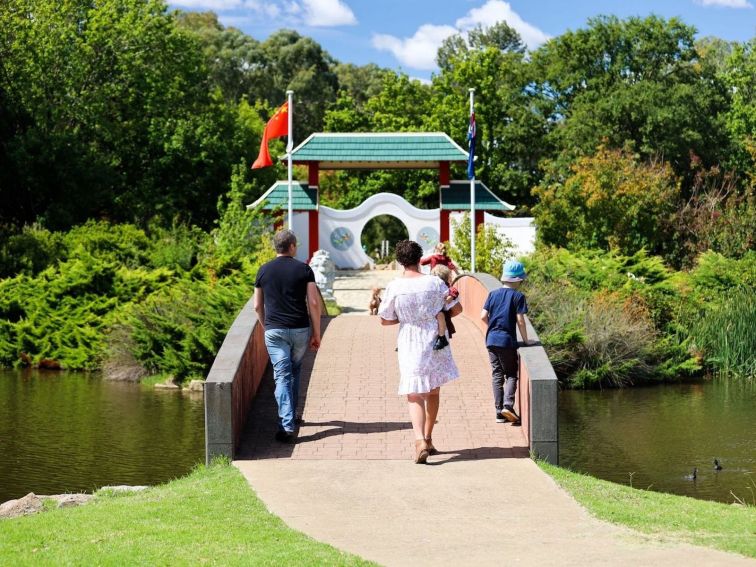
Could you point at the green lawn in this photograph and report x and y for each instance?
(723, 526)
(209, 517)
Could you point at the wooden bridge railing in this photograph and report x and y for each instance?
(538, 387)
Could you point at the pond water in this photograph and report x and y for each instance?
(71, 432)
(660, 433)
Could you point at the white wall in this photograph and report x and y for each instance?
(341, 231)
(521, 231)
(301, 222)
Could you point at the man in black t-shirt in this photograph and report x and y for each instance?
(284, 289)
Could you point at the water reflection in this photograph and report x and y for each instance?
(69, 432)
(659, 434)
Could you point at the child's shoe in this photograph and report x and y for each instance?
(440, 343)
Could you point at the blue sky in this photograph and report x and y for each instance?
(404, 34)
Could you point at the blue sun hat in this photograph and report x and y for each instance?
(513, 272)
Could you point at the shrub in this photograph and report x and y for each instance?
(725, 333)
(178, 247)
(30, 251)
(593, 339)
(715, 275)
(720, 312)
(611, 201)
(607, 319)
(491, 248)
(716, 217)
(63, 313)
(641, 275)
(178, 330)
(123, 244)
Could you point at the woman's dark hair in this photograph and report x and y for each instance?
(408, 252)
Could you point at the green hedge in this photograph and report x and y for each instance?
(612, 320)
(117, 297)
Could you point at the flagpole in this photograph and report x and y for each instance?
(289, 148)
(472, 195)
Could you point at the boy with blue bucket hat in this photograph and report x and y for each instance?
(504, 311)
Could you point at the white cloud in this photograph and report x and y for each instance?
(726, 3)
(324, 13)
(317, 13)
(292, 8)
(261, 7)
(495, 11)
(419, 51)
(209, 4)
(421, 80)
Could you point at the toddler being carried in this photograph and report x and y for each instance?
(443, 317)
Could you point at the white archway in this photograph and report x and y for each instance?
(341, 231)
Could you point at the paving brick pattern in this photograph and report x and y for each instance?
(351, 409)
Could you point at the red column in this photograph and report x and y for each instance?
(478, 219)
(314, 233)
(444, 228)
(443, 173)
(313, 174)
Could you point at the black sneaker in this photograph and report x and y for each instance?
(500, 418)
(285, 437)
(440, 343)
(509, 414)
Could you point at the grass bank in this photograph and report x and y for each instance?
(208, 517)
(712, 524)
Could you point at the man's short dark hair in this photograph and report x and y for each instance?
(283, 240)
(408, 252)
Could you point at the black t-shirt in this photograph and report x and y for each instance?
(284, 284)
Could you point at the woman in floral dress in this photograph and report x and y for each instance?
(412, 301)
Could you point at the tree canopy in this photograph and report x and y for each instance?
(124, 110)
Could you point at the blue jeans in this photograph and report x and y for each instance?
(286, 348)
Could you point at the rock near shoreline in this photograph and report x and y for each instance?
(33, 503)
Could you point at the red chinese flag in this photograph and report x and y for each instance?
(277, 126)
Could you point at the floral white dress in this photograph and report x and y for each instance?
(415, 302)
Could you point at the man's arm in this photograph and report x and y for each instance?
(387, 322)
(313, 302)
(260, 306)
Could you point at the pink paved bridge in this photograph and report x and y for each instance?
(352, 411)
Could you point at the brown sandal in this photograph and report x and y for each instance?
(421, 451)
(431, 449)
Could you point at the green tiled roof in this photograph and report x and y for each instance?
(456, 197)
(302, 197)
(403, 149)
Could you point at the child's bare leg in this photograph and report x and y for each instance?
(441, 341)
(441, 320)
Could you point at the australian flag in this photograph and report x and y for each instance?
(471, 135)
